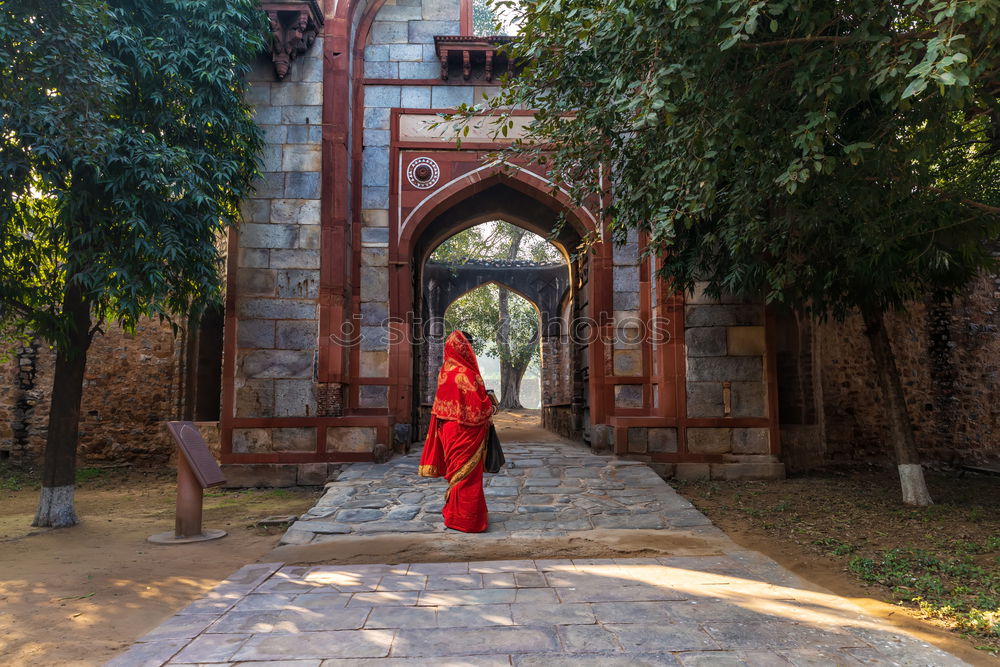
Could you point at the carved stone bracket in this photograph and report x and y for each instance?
(294, 26)
(475, 57)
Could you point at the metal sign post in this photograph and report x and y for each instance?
(196, 471)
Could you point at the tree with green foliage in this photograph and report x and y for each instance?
(837, 157)
(126, 147)
(503, 325)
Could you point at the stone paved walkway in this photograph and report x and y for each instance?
(726, 606)
(547, 489)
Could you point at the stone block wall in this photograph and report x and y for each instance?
(949, 359)
(629, 328)
(278, 260)
(132, 385)
(725, 349)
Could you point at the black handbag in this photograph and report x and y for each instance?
(494, 454)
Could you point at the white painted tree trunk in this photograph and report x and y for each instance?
(55, 508)
(911, 478)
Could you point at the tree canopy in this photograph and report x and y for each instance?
(126, 146)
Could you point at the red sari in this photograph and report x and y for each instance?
(456, 438)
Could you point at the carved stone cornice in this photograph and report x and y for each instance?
(294, 26)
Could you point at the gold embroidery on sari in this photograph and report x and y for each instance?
(428, 471)
(467, 467)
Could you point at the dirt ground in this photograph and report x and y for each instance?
(77, 596)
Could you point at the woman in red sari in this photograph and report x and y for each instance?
(456, 439)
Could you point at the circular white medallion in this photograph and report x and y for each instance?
(423, 173)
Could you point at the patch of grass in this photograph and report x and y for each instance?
(87, 474)
(14, 478)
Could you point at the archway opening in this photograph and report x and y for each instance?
(513, 291)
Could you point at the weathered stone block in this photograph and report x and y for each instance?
(638, 440)
(723, 316)
(301, 157)
(419, 70)
(374, 257)
(704, 399)
(626, 300)
(265, 114)
(277, 364)
(746, 341)
(376, 137)
(374, 283)
(270, 158)
(301, 115)
(297, 94)
(303, 185)
(275, 309)
(375, 166)
(376, 53)
(440, 10)
(375, 217)
(374, 338)
(374, 313)
(310, 66)
(313, 474)
(381, 96)
(255, 258)
(258, 475)
(269, 185)
(377, 118)
(255, 333)
(294, 259)
(256, 210)
(298, 283)
(375, 236)
(406, 52)
(415, 97)
(310, 237)
(721, 369)
(626, 279)
(692, 471)
(374, 196)
(749, 399)
(253, 235)
(709, 440)
(628, 395)
(751, 441)
(304, 134)
(381, 70)
(628, 362)
(294, 398)
(446, 97)
(373, 396)
(389, 32)
(705, 341)
(251, 440)
(602, 438)
(374, 363)
(255, 398)
(662, 440)
(350, 438)
(294, 439)
(258, 94)
(296, 335)
(255, 282)
(423, 32)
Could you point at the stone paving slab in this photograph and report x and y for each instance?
(600, 612)
(546, 488)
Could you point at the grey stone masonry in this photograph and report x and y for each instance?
(277, 277)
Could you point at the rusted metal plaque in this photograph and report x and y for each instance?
(194, 448)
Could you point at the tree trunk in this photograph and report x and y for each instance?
(510, 377)
(56, 508)
(510, 385)
(911, 474)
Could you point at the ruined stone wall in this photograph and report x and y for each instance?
(949, 359)
(131, 387)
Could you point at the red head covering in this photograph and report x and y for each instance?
(461, 394)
